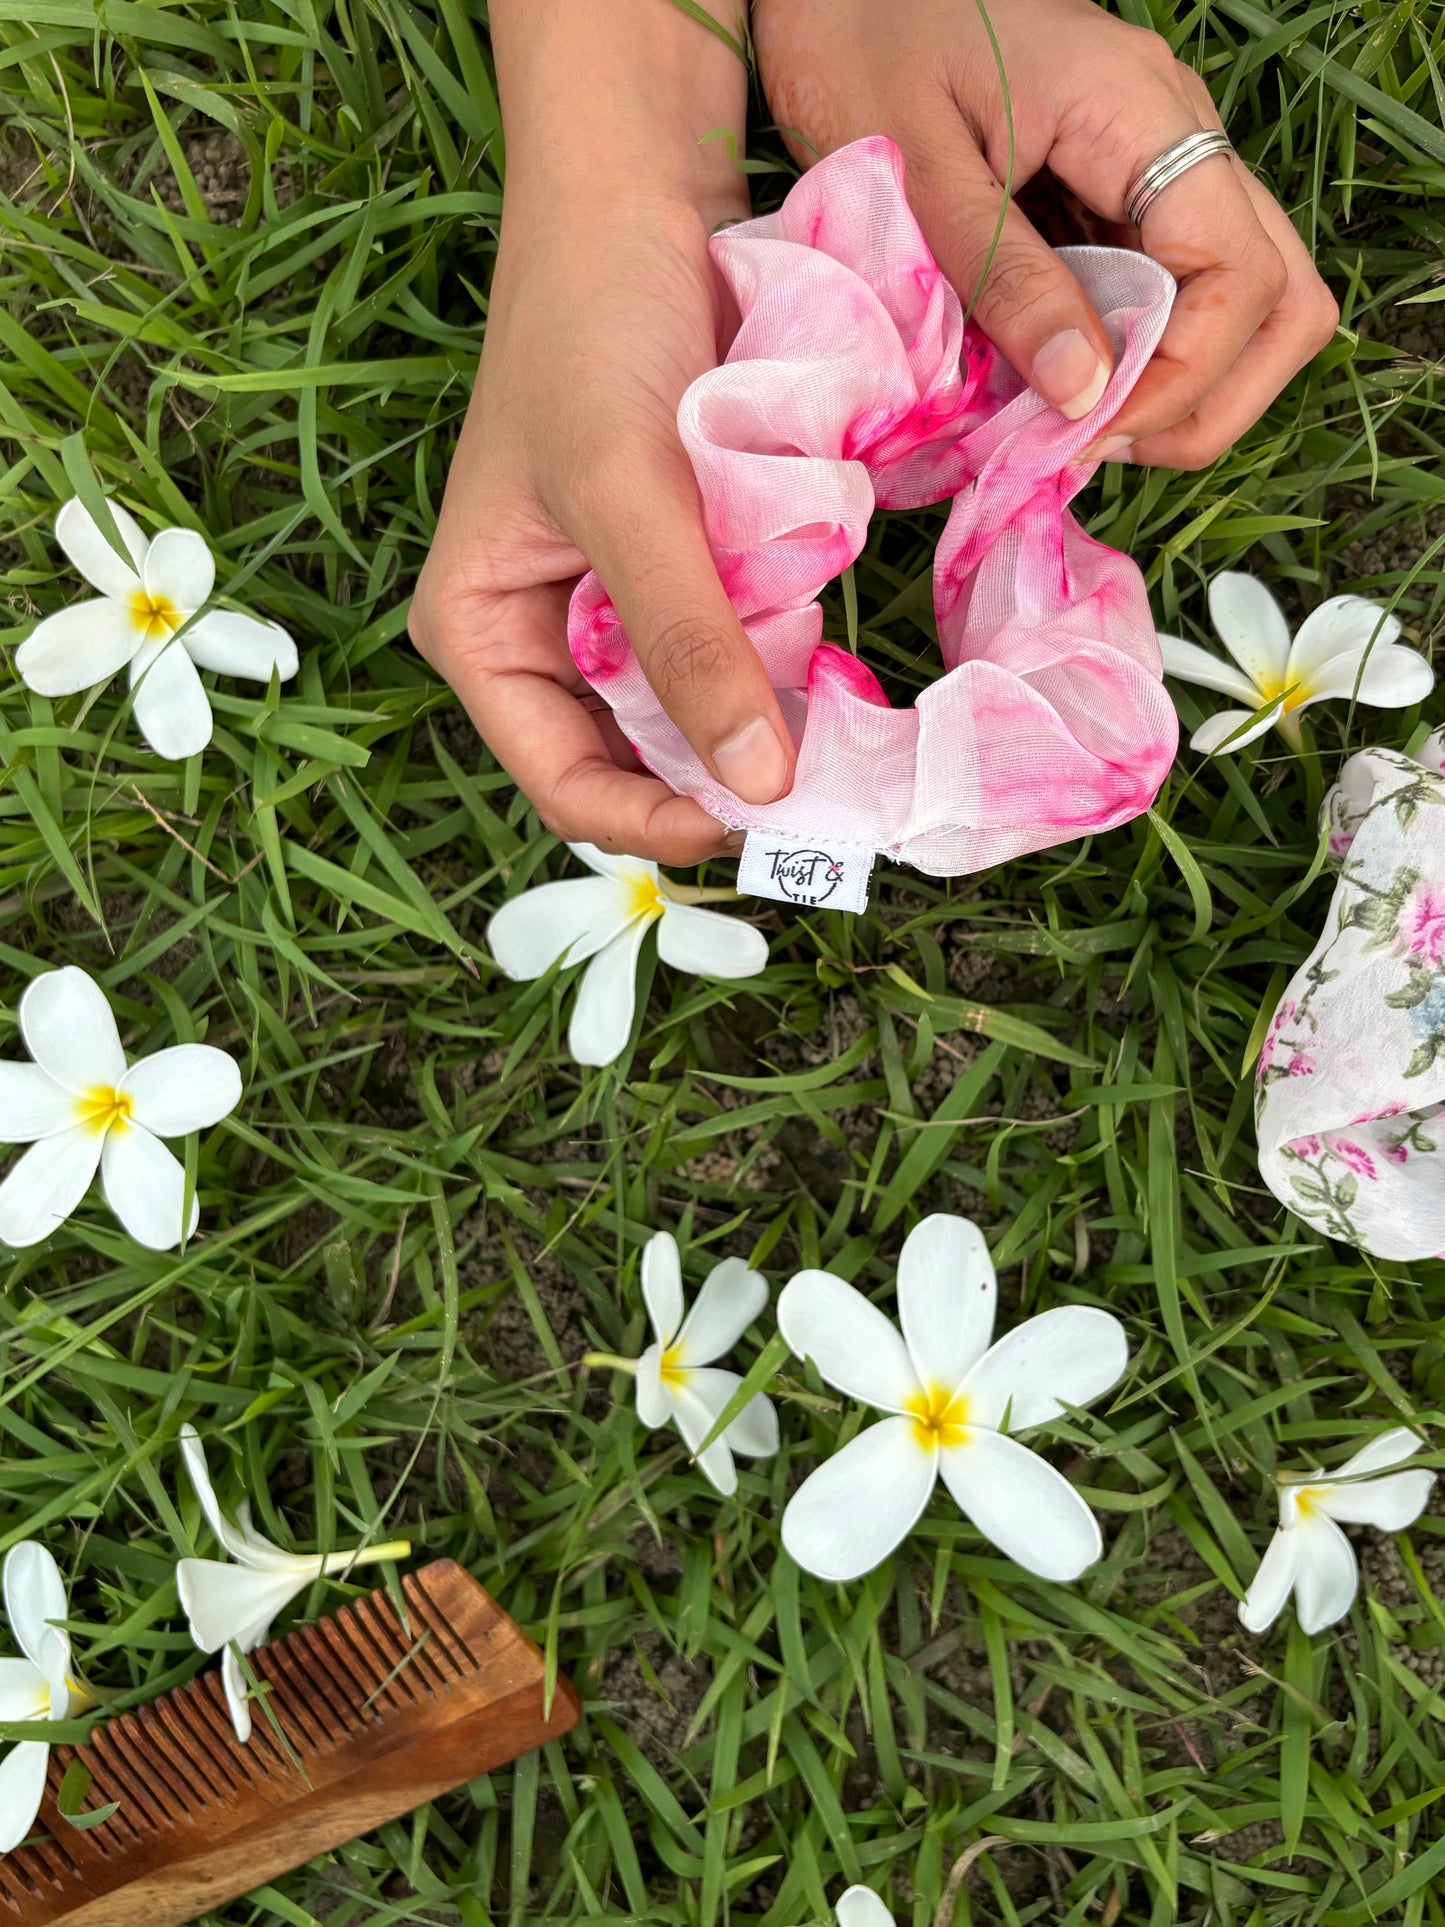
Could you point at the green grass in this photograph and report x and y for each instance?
(423, 1214)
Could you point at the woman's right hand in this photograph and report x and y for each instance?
(604, 307)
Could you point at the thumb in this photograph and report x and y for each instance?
(653, 559)
(1024, 298)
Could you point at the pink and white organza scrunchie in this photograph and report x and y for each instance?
(852, 383)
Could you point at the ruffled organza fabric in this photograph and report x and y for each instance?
(852, 383)
(1351, 1078)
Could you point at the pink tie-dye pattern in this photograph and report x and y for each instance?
(852, 384)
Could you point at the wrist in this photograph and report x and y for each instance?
(604, 99)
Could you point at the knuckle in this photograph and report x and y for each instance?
(1015, 283)
(1192, 447)
(688, 655)
(1324, 317)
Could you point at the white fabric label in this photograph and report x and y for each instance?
(817, 872)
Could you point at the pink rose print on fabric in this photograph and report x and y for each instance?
(1354, 1155)
(851, 385)
(1422, 922)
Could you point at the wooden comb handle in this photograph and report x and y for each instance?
(380, 1715)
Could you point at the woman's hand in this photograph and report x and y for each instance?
(604, 308)
(1095, 101)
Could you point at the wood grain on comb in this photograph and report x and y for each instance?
(379, 1715)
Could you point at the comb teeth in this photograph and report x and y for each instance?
(377, 1715)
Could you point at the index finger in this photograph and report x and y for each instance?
(557, 754)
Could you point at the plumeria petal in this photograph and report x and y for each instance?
(607, 1000)
(1345, 625)
(46, 1185)
(709, 944)
(858, 1506)
(946, 1294)
(573, 919)
(225, 1601)
(187, 1088)
(1386, 1449)
(622, 869)
(1215, 731)
(233, 1684)
(1017, 1500)
(754, 1432)
(1272, 1585)
(855, 1347)
(35, 1603)
(654, 1399)
(170, 700)
(78, 534)
(78, 647)
(662, 1285)
(237, 1536)
(700, 1398)
(69, 1029)
(1187, 662)
(730, 1299)
(145, 1187)
(240, 645)
(1068, 1356)
(1251, 625)
(24, 1691)
(32, 1104)
(22, 1788)
(1391, 677)
(1328, 1577)
(1390, 1503)
(179, 569)
(861, 1907)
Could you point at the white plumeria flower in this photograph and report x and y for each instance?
(79, 1106)
(861, 1907)
(140, 609)
(677, 1381)
(41, 1686)
(1346, 648)
(605, 917)
(949, 1395)
(1309, 1555)
(231, 1607)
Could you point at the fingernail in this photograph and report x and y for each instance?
(1070, 373)
(753, 763)
(735, 841)
(1113, 448)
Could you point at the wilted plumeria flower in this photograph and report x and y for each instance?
(231, 1607)
(861, 1907)
(79, 1106)
(141, 607)
(949, 1396)
(677, 1382)
(1346, 648)
(605, 917)
(1309, 1555)
(42, 1686)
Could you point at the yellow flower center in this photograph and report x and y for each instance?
(1272, 690)
(671, 1370)
(105, 1109)
(1307, 1500)
(156, 616)
(940, 1418)
(644, 897)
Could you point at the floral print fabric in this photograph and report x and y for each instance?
(1351, 1075)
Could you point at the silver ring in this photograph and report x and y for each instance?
(1164, 171)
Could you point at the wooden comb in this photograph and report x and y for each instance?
(381, 1717)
